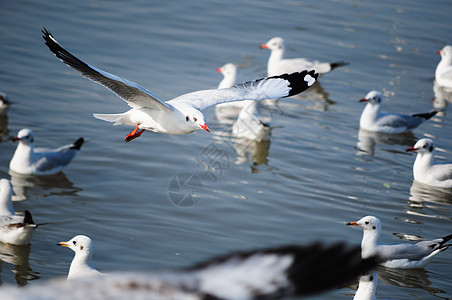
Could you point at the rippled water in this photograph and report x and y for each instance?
(317, 173)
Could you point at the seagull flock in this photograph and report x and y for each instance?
(255, 274)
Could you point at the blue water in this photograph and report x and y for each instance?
(301, 187)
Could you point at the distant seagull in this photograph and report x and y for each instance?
(443, 73)
(271, 273)
(81, 265)
(14, 229)
(367, 288)
(181, 115)
(402, 255)
(425, 170)
(229, 72)
(29, 160)
(278, 65)
(372, 119)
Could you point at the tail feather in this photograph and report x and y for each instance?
(338, 64)
(28, 218)
(426, 115)
(443, 245)
(78, 144)
(110, 118)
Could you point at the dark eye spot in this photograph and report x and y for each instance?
(425, 146)
(373, 227)
(187, 118)
(431, 148)
(367, 223)
(81, 247)
(371, 278)
(194, 119)
(74, 242)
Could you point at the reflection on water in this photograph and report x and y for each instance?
(430, 201)
(443, 97)
(368, 140)
(318, 98)
(28, 186)
(15, 259)
(254, 151)
(411, 278)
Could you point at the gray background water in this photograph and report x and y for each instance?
(301, 188)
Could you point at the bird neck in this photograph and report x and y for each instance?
(81, 262)
(227, 81)
(444, 64)
(6, 206)
(366, 290)
(275, 57)
(369, 243)
(370, 114)
(423, 162)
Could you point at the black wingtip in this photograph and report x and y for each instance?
(78, 144)
(28, 219)
(299, 81)
(426, 116)
(338, 64)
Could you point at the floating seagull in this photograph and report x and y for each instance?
(29, 160)
(443, 73)
(16, 230)
(181, 115)
(402, 255)
(425, 170)
(229, 72)
(278, 65)
(367, 287)
(374, 120)
(81, 265)
(270, 273)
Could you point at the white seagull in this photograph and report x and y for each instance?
(29, 160)
(367, 288)
(229, 72)
(4, 100)
(443, 72)
(181, 115)
(81, 265)
(372, 119)
(402, 255)
(14, 229)
(270, 273)
(278, 65)
(425, 170)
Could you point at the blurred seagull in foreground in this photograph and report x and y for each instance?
(270, 273)
(372, 119)
(14, 229)
(81, 265)
(367, 287)
(181, 115)
(402, 255)
(443, 72)
(425, 170)
(278, 65)
(29, 160)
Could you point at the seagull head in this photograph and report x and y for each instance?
(228, 70)
(368, 224)
(422, 146)
(373, 97)
(4, 100)
(80, 244)
(196, 118)
(276, 43)
(25, 136)
(446, 52)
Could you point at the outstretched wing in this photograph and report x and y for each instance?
(266, 88)
(135, 95)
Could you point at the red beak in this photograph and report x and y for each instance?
(411, 149)
(204, 126)
(219, 70)
(263, 46)
(16, 139)
(363, 100)
(353, 223)
(439, 52)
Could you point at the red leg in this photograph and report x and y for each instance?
(134, 134)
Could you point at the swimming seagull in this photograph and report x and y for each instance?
(367, 286)
(181, 115)
(270, 273)
(278, 65)
(372, 119)
(443, 72)
(29, 160)
(14, 229)
(425, 170)
(402, 255)
(81, 265)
